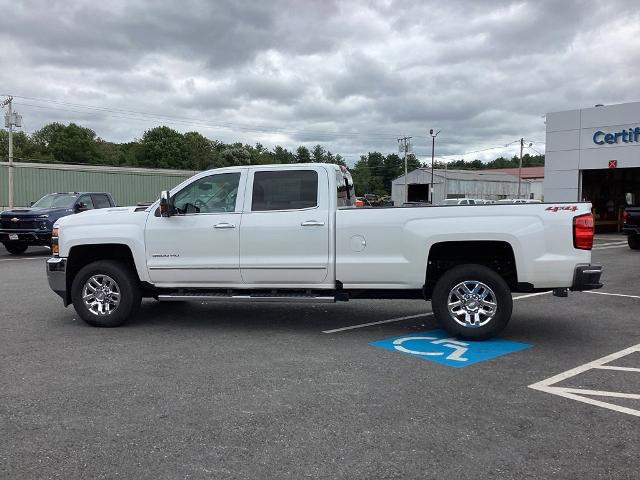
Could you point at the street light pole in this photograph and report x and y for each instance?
(433, 149)
(520, 166)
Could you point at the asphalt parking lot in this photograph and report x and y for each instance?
(260, 391)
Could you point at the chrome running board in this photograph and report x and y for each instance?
(219, 297)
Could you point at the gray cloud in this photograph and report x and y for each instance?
(349, 75)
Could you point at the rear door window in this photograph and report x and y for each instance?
(86, 199)
(284, 190)
(100, 201)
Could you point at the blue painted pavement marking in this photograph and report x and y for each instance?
(438, 346)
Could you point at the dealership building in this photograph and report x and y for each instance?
(593, 154)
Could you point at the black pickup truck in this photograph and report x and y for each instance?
(24, 227)
(631, 227)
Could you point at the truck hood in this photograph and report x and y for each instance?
(34, 212)
(101, 216)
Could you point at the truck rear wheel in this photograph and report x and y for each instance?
(472, 301)
(16, 248)
(634, 241)
(106, 293)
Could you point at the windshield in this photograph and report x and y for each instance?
(56, 200)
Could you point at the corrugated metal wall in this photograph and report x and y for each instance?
(127, 185)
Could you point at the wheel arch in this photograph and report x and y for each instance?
(81, 255)
(497, 255)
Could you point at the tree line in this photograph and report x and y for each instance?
(164, 147)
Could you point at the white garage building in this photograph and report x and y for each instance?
(594, 154)
(484, 184)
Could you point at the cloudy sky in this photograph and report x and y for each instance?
(347, 74)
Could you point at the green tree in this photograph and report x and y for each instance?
(162, 147)
(338, 160)
(24, 149)
(45, 136)
(199, 151)
(74, 144)
(318, 154)
(282, 155)
(303, 155)
(234, 156)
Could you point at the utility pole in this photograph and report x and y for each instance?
(10, 120)
(433, 149)
(404, 146)
(446, 166)
(520, 166)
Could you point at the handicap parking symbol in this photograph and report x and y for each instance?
(438, 346)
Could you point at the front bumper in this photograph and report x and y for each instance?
(587, 277)
(32, 237)
(57, 277)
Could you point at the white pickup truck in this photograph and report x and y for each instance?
(291, 233)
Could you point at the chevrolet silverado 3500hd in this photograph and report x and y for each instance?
(290, 233)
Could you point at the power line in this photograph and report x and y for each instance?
(135, 114)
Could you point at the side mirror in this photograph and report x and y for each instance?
(81, 207)
(166, 205)
(31, 204)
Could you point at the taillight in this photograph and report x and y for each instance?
(625, 216)
(583, 232)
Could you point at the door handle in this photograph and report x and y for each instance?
(312, 223)
(224, 225)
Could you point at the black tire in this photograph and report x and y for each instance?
(16, 248)
(472, 273)
(127, 283)
(634, 241)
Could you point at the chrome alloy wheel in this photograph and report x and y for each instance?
(101, 295)
(472, 304)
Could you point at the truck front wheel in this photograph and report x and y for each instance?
(472, 301)
(634, 241)
(106, 293)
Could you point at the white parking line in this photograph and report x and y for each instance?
(362, 325)
(531, 295)
(572, 393)
(399, 319)
(612, 294)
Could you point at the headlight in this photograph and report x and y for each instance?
(55, 247)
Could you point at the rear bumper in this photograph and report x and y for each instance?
(631, 230)
(57, 277)
(587, 277)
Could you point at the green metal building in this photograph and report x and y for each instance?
(127, 185)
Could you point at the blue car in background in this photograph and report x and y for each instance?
(24, 227)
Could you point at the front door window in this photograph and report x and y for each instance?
(212, 194)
